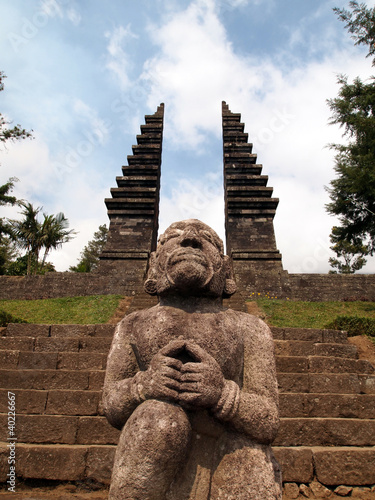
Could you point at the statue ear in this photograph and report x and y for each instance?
(150, 283)
(230, 286)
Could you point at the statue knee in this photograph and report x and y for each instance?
(159, 422)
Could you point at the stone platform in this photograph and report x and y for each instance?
(327, 403)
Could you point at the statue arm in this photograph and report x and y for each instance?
(253, 409)
(119, 400)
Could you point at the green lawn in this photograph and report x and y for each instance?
(301, 314)
(69, 310)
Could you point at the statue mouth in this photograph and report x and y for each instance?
(193, 257)
(188, 254)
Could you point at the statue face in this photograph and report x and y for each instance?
(189, 258)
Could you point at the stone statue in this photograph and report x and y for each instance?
(191, 384)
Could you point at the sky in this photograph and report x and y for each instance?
(82, 75)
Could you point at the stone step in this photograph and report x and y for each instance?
(56, 344)
(307, 348)
(327, 405)
(326, 383)
(333, 465)
(53, 402)
(35, 330)
(137, 180)
(326, 432)
(246, 180)
(52, 379)
(88, 402)
(310, 334)
(242, 169)
(30, 360)
(60, 462)
(322, 364)
(66, 429)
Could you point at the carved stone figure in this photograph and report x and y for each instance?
(191, 384)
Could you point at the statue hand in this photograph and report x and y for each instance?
(162, 378)
(201, 382)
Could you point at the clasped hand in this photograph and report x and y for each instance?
(196, 384)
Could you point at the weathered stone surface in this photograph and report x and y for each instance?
(294, 382)
(325, 432)
(96, 380)
(99, 463)
(293, 364)
(339, 365)
(81, 361)
(27, 330)
(343, 491)
(296, 463)
(332, 383)
(9, 359)
(27, 401)
(186, 374)
(96, 430)
(17, 344)
(46, 429)
(346, 465)
(72, 403)
(37, 360)
(319, 490)
(56, 344)
(305, 491)
(96, 344)
(61, 463)
(72, 331)
(291, 490)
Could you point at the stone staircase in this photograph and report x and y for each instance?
(327, 403)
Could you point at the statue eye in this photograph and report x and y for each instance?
(207, 236)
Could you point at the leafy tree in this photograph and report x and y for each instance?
(10, 134)
(351, 255)
(33, 235)
(352, 192)
(8, 253)
(91, 252)
(19, 267)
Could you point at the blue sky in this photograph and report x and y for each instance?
(82, 75)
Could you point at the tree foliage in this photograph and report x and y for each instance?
(352, 255)
(17, 131)
(91, 252)
(352, 192)
(32, 235)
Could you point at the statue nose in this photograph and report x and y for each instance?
(191, 239)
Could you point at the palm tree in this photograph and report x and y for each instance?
(54, 232)
(27, 233)
(33, 235)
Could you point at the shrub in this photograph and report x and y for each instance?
(6, 318)
(354, 325)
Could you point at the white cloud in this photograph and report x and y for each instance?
(118, 60)
(284, 111)
(95, 125)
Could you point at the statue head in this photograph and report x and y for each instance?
(189, 260)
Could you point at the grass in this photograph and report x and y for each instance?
(68, 310)
(299, 314)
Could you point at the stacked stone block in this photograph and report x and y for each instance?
(133, 209)
(249, 211)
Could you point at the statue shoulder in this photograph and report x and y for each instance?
(250, 325)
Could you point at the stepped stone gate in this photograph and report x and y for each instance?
(56, 372)
(133, 210)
